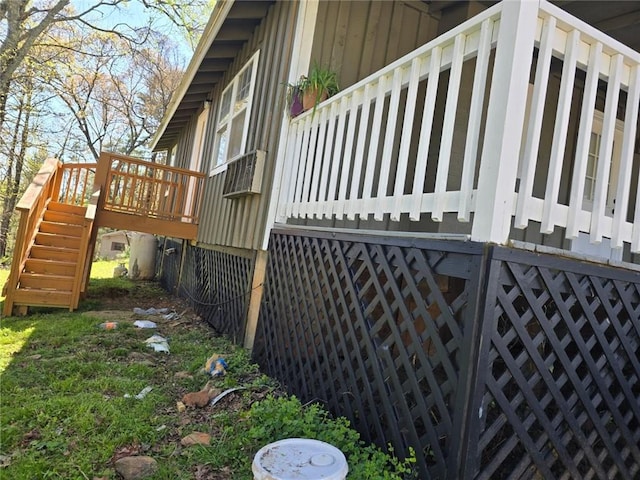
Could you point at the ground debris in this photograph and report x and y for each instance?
(200, 399)
(136, 468)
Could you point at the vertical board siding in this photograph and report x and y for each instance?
(357, 38)
(240, 222)
(169, 271)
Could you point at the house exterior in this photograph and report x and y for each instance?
(445, 240)
(113, 244)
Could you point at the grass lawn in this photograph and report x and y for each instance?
(64, 382)
(4, 274)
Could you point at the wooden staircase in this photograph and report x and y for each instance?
(62, 209)
(50, 268)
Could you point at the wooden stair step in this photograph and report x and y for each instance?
(54, 240)
(71, 230)
(47, 252)
(63, 217)
(34, 297)
(66, 208)
(46, 266)
(46, 282)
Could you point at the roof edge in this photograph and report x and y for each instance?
(218, 16)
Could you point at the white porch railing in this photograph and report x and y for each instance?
(433, 133)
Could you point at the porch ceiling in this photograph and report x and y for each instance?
(620, 19)
(230, 26)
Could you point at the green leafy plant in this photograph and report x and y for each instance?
(277, 418)
(320, 84)
(306, 93)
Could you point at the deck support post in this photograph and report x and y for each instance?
(507, 101)
(257, 287)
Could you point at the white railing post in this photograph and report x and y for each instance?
(300, 60)
(505, 117)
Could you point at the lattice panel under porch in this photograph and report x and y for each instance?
(218, 287)
(170, 271)
(374, 331)
(563, 381)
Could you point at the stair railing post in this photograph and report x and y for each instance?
(56, 183)
(505, 120)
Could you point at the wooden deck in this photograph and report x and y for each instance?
(63, 208)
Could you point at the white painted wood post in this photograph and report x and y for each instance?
(300, 60)
(505, 118)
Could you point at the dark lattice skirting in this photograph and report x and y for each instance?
(217, 285)
(169, 264)
(491, 363)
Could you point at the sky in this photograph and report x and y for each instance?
(134, 14)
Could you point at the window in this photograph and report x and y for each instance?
(592, 164)
(582, 244)
(117, 247)
(233, 116)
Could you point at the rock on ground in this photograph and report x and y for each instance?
(196, 438)
(136, 468)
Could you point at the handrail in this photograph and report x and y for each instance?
(153, 190)
(31, 207)
(84, 261)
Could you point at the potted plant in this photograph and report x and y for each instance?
(294, 97)
(320, 84)
(309, 91)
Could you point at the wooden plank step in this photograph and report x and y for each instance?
(46, 282)
(53, 240)
(67, 208)
(46, 266)
(33, 297)
(63, 217)
(54, 253)
(71, 230)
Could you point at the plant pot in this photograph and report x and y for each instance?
(296, 107)
(312, 97)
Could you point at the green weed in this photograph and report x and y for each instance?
(65, 413)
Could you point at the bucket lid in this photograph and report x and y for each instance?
(299, 459)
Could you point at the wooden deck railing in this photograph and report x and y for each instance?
(76, 183)
(443, 130)
(148, 189)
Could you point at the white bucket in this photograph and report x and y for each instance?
(299, 459)
(142, 262)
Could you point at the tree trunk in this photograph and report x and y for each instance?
(17, 153)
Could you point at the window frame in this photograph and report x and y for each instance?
(225, 118)
(596, 129)
(197, 149)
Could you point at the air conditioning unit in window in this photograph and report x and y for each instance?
(244, 175)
